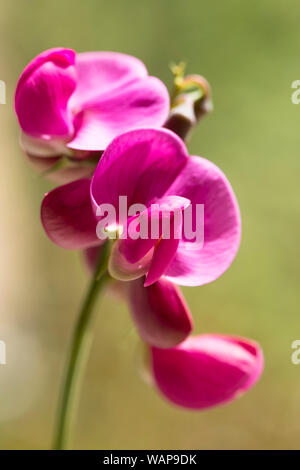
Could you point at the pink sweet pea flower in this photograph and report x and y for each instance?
(152, 166)
(206, 370)
(149, 165)
(74, 104)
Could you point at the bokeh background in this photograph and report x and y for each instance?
(250, 53)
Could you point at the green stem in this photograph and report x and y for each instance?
(80, 347)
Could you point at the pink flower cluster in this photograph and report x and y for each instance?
(104, 106)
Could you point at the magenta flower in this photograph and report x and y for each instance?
(206, 370)
(149, 165)
(74, 104)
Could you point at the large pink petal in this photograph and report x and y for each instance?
(207, 370)
(160, 313)
(67, 216)
(143, 103)
(204, 183)
(140, 164)
(100, 73)
(43, 92)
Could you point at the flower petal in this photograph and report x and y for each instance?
(145, 102)
(43, 92)
(160, 313)
(67, 216)
(164, 252)
(204, 183)
(151, 226)
(100, 73)
(119, 268)
(140, 164)
(207, 370)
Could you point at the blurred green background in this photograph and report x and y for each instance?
(250, 53)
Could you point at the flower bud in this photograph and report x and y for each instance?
(190, 102)
(207, 370)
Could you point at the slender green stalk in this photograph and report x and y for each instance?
(80, 347)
